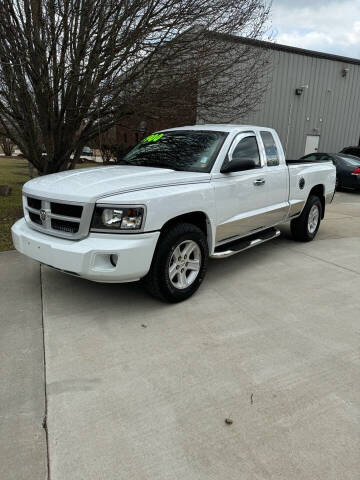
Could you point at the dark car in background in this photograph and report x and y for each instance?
(347, 168)
(355, 151)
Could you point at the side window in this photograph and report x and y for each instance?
(271, 151)
(247, 149)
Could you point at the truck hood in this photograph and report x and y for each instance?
(91, 184)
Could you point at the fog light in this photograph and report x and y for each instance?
(113, 259)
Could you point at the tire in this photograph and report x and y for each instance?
(170, 253)
(302, 228)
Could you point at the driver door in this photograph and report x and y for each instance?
(241, 196)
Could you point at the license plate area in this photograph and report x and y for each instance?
(37, 250)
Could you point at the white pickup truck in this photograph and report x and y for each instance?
(179, 197)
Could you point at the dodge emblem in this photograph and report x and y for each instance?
(43, 215)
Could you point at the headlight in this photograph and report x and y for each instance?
(117, 218)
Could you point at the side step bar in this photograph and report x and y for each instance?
(237, 246)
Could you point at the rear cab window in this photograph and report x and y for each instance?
(271, 150)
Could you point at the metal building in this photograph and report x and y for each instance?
(313, 100)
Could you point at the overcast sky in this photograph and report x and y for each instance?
(331, 26)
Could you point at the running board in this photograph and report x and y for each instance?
(238, 246)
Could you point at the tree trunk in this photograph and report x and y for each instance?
(31, 170)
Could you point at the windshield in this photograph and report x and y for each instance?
(188, 150)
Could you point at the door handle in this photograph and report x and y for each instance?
(259, 181)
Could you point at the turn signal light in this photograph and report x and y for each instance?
(356, 171)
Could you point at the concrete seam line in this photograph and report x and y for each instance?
(327, 261)
(45, 419)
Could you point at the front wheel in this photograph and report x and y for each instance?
(179, 264)
(305, 227)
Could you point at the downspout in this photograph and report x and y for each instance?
(288, 129)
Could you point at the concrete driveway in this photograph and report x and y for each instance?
(139, 390)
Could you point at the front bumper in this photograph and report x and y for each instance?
(89, 258)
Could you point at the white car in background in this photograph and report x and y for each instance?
(87, 155)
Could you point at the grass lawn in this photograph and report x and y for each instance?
(14, 172)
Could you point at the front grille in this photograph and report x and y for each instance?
(35, 218)
(66, 209)
(58, 218)
(64, 226)
(34, 203)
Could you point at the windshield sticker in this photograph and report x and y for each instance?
(152, 138)
(204, 160)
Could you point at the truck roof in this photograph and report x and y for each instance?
(220, 127)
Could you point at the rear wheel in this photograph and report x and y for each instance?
(179, 264)
(305, 227)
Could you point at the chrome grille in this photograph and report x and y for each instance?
(58, 218)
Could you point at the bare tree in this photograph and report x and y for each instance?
(105, 142)
(7, 145)
(72, 69)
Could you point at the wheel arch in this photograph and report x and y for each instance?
(197, 218)
(319, 191)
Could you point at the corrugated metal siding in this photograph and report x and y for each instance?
(329, 107)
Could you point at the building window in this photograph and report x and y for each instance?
(271, 151)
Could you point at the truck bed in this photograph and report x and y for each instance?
(296, 162)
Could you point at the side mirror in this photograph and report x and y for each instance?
(233, 165)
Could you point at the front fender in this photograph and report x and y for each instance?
(165, 203)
